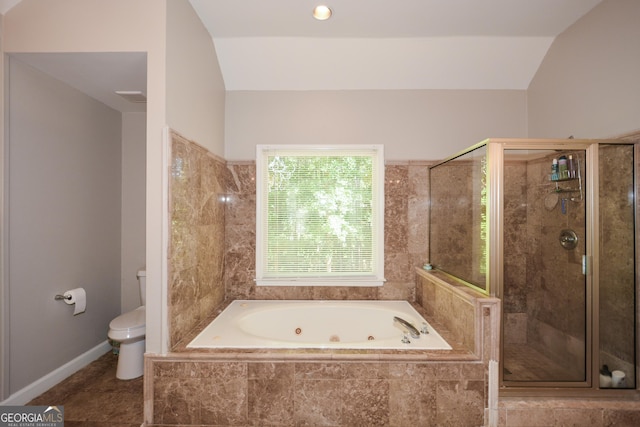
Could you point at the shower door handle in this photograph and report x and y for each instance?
(586, 264)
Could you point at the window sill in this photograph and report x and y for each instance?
(349, 282)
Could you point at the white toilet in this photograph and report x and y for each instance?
(129, 330)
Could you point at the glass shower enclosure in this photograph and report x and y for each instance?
(549, 227)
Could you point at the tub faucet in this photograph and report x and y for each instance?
(415, 333)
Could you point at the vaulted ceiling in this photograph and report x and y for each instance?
(367, 44)
(385, 44)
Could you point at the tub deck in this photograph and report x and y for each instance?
(457, 353)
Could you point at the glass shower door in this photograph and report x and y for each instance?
(616, 272)
(545, 291)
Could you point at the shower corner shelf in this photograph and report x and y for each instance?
(564, 179)
(561, 190)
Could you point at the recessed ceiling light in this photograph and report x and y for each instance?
(322, 12)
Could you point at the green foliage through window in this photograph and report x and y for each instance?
(320, 214)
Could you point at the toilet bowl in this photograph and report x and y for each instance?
(129, 330)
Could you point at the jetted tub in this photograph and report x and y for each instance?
(318, 324)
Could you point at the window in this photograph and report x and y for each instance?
(320, 215)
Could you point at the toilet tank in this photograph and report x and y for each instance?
(142, 280)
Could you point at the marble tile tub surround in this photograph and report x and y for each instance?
(299, 388)
(471, 318)
(212, 236)
(406, 238)
(314, 392)
(336, 388)
(199, 182)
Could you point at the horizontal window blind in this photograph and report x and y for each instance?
(320, 213)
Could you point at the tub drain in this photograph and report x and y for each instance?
(334, 338)
(298, 331)
(371, 338)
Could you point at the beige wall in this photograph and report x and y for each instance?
(412, 124)
(195, 89)
(133, 252)
(64, 195)
(588, 84)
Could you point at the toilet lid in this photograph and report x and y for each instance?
(129, 320)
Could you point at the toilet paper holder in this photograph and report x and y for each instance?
(58, 297)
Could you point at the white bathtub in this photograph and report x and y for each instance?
(317, 324)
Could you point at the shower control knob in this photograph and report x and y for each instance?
(568, 239)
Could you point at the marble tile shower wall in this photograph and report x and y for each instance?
(617, 276)
(406, 238)
(451, 249)
(535, 306)
(549, 328)
(535, 264)
(198, 183)
(516, 244)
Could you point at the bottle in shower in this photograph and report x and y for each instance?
(554, 170)
(562, 167)
(571, 166)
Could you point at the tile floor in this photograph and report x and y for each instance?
(94, 397)
(524, 363)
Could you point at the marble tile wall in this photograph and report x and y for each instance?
(212, 256)
(556, 294)
(543, 284)
(212, 246)
(319, 393)
(291, 388)
(516, 244)
(212, 229)
(456, 212)
(210, 237)
(406, 238)
(198, 183)
(458, 308)
(568, 412)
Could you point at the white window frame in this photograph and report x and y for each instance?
(377, 276)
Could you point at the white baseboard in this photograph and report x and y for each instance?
(43, 384)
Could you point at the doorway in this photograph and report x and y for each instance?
(64, 210)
